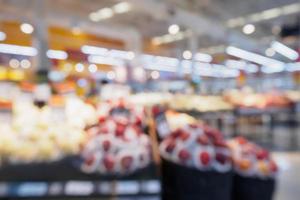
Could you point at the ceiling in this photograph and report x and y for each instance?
(208, 19)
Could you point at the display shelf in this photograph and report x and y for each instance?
(63, 179)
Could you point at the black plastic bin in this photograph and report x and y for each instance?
(184, 183)
(246, 188)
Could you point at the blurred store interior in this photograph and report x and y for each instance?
(112, 99)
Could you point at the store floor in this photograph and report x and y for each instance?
(288, 187)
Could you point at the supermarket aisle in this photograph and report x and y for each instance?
(289, 177)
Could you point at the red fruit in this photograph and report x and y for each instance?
(138, 121)
(156, 110)
(203, 140)
(109, 163)
(103, 129)
(241, 140)
(126, 162)
(262, 154)
(171, 146)
(193, 125)
(273, 166)
(106, 145)
(184, 135)
(220, 143)
(90, 160)
(102, 119)
(205, 158)
(184, 155)
(221, 158)
(176, 133)
(120, 130)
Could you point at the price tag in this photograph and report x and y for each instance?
(32, 189)
(79, 188)
(127, 187)
(105, 188)
(55, 189)
(151, 187)
(162, 125)
(3, 190)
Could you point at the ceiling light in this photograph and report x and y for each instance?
(2, 36)
(173, 29)
(111, 75)
(105, 13)
(270, 52)
(26, 28)
(253, 57)
(94, 50)
(14, 63)
(285, 50)
(249, 29)
(202, 57)
(122, 7)
(18, 50)
(271, 13)
(93, 68)
(79, 67)
(155, 74)
(187, 54)
(105, 60)
(94, 16)
(25, 64)
(57, 54)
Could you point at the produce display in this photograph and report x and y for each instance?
(38, 134)
(249, 99)
(251, 160)
(255, 171)
(196, 164)
(199, 103)
(197, 146)
(117, 144)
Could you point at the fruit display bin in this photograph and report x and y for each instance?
(250, 188)
(184, 183)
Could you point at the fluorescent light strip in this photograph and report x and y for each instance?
(202, 57)
(86, 49)
(285, 50)
(105, 60)
(106, 13)
(292, 67)
(264, 15)
(18, 50)
(57, 54)
(168, 38)
(253, 57)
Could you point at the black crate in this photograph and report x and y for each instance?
(184, 183)
(245, 188)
